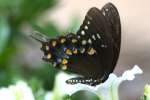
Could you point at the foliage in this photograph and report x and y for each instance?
(13, 66)
(146, 92)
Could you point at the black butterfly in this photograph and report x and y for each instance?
(92, 52)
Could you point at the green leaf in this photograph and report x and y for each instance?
(147, 92)
(31, 8)
(4, 33)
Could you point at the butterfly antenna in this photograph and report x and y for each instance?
(39, 37)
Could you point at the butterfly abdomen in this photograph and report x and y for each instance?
(87, 81)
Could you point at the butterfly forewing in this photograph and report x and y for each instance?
(105, 23)
(113, 19)
(97, 32)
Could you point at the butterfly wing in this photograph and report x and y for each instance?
(104, 29)
(96, 29)
(112, 16)
(104, 24)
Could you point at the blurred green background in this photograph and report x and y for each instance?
(14, 44)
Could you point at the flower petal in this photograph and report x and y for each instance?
(106, 91)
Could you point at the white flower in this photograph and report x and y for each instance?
(20, 91)
(6, 94)
(49, 96)
(106, 91)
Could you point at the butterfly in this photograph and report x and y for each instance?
(92, 52)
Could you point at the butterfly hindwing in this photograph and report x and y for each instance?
(97, 31)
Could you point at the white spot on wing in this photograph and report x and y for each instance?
(107, 9)
(83, 81)
(86, 27)
(70, 81)
(59, 60)
(83, 50)
(104, 13)
(104, 46)
(78, 36)
(88, 22)
(54, 64)
(93, 37)
(47, 48)
(64, 67)
(98, 35)
(90, 41)
(83, 42)
(83, 32)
